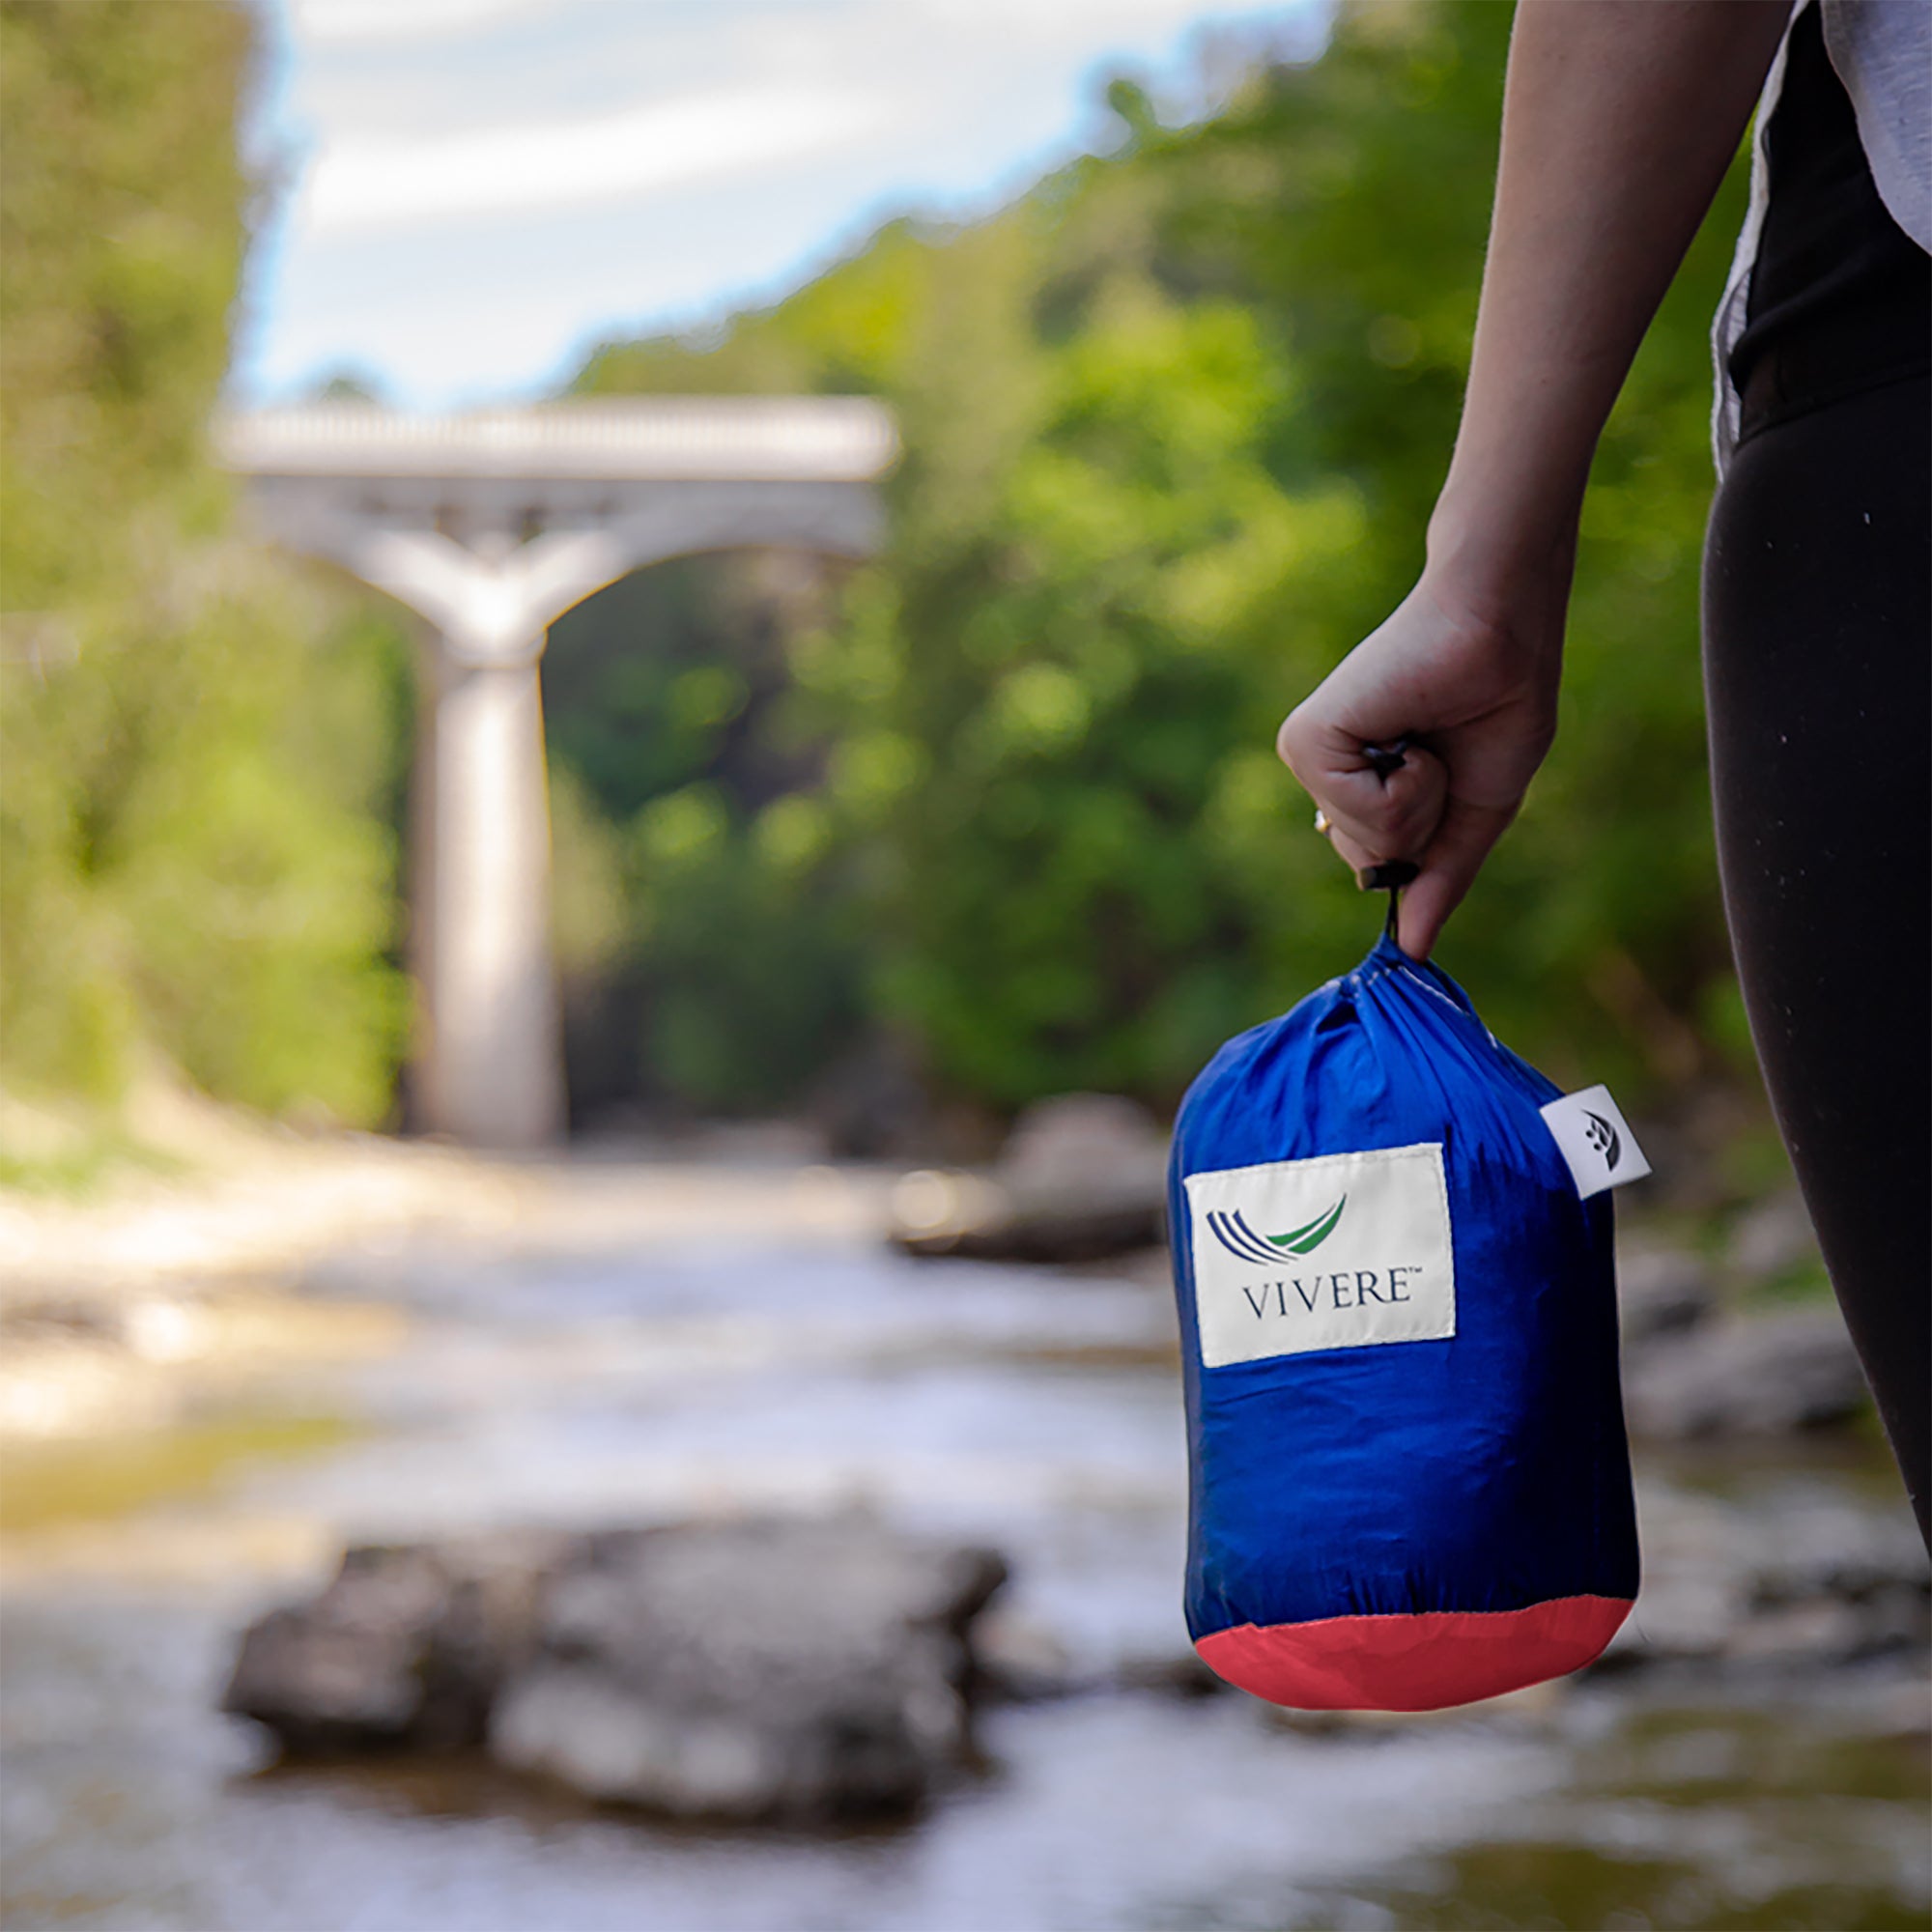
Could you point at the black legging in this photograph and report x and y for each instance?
(1818, 672)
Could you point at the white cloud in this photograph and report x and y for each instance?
(374, 182)
(355, 22)
(492, 183)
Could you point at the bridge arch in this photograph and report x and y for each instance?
(490, 525)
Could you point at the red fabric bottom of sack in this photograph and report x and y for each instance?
(1412, 1663)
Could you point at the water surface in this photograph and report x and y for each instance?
(1037, 1411)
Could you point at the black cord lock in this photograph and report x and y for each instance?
(1392, 874)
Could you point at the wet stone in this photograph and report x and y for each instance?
(1773, 1238)
(1794, 1586)
(795, 1672)
(1081, 1178)
(1759, 1376)
(1660, 1292)
(406, 1646)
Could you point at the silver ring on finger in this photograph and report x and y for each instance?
(1324, 824)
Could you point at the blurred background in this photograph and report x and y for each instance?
(870, 900)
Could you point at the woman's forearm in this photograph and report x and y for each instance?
(1619, 120)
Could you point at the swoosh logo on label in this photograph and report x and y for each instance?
(1305, 1240)
(1233, 1232)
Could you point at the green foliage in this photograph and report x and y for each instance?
(1173, 426)
(589, 914)
(690, 841)
(748, 986)
(199, 745)
(191, 862)
(121, 241)
(1036, 735)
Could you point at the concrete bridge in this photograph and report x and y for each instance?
(491, 525)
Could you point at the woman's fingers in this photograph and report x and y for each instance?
(1351, 852)
(1396, 816)
(1480, 704)
(1449, 867)
(1392, 817)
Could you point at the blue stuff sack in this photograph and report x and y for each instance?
(1410, 1483)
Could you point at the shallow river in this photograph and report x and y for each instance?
(734, 1367)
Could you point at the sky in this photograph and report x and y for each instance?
(465, 194)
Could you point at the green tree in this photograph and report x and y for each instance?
(197, 743)
(726, 971)
(1173, 425)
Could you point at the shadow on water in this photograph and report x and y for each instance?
(460, 1785)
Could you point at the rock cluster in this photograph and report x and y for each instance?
(1796, 1584)
(1082, 1177)
(1693, 1369)
(1761, 1374)
(791, 1671)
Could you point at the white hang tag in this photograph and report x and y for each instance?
(1596, 1141)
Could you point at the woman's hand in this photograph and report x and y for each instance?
(1475, 696)
(1619, 119)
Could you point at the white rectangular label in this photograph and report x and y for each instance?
(1340, 1251)
(1596, 1141)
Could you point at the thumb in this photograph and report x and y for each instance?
(1449, 867)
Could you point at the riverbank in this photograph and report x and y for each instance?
(138, 1287)
(189, 1191)
(144, 1275)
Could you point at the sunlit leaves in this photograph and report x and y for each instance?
(1174, 424)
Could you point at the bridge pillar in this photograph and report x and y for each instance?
(489, 1067)
(489, 526)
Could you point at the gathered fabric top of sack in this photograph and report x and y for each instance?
(1393, 1259)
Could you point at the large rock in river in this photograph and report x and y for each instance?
(1760, 1375)
(783, 1671)
(406, 1646)
(758, 1670)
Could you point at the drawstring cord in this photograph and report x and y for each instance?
(1392, 874)
(1390, 878)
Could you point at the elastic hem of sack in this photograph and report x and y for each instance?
(1329, 1683)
